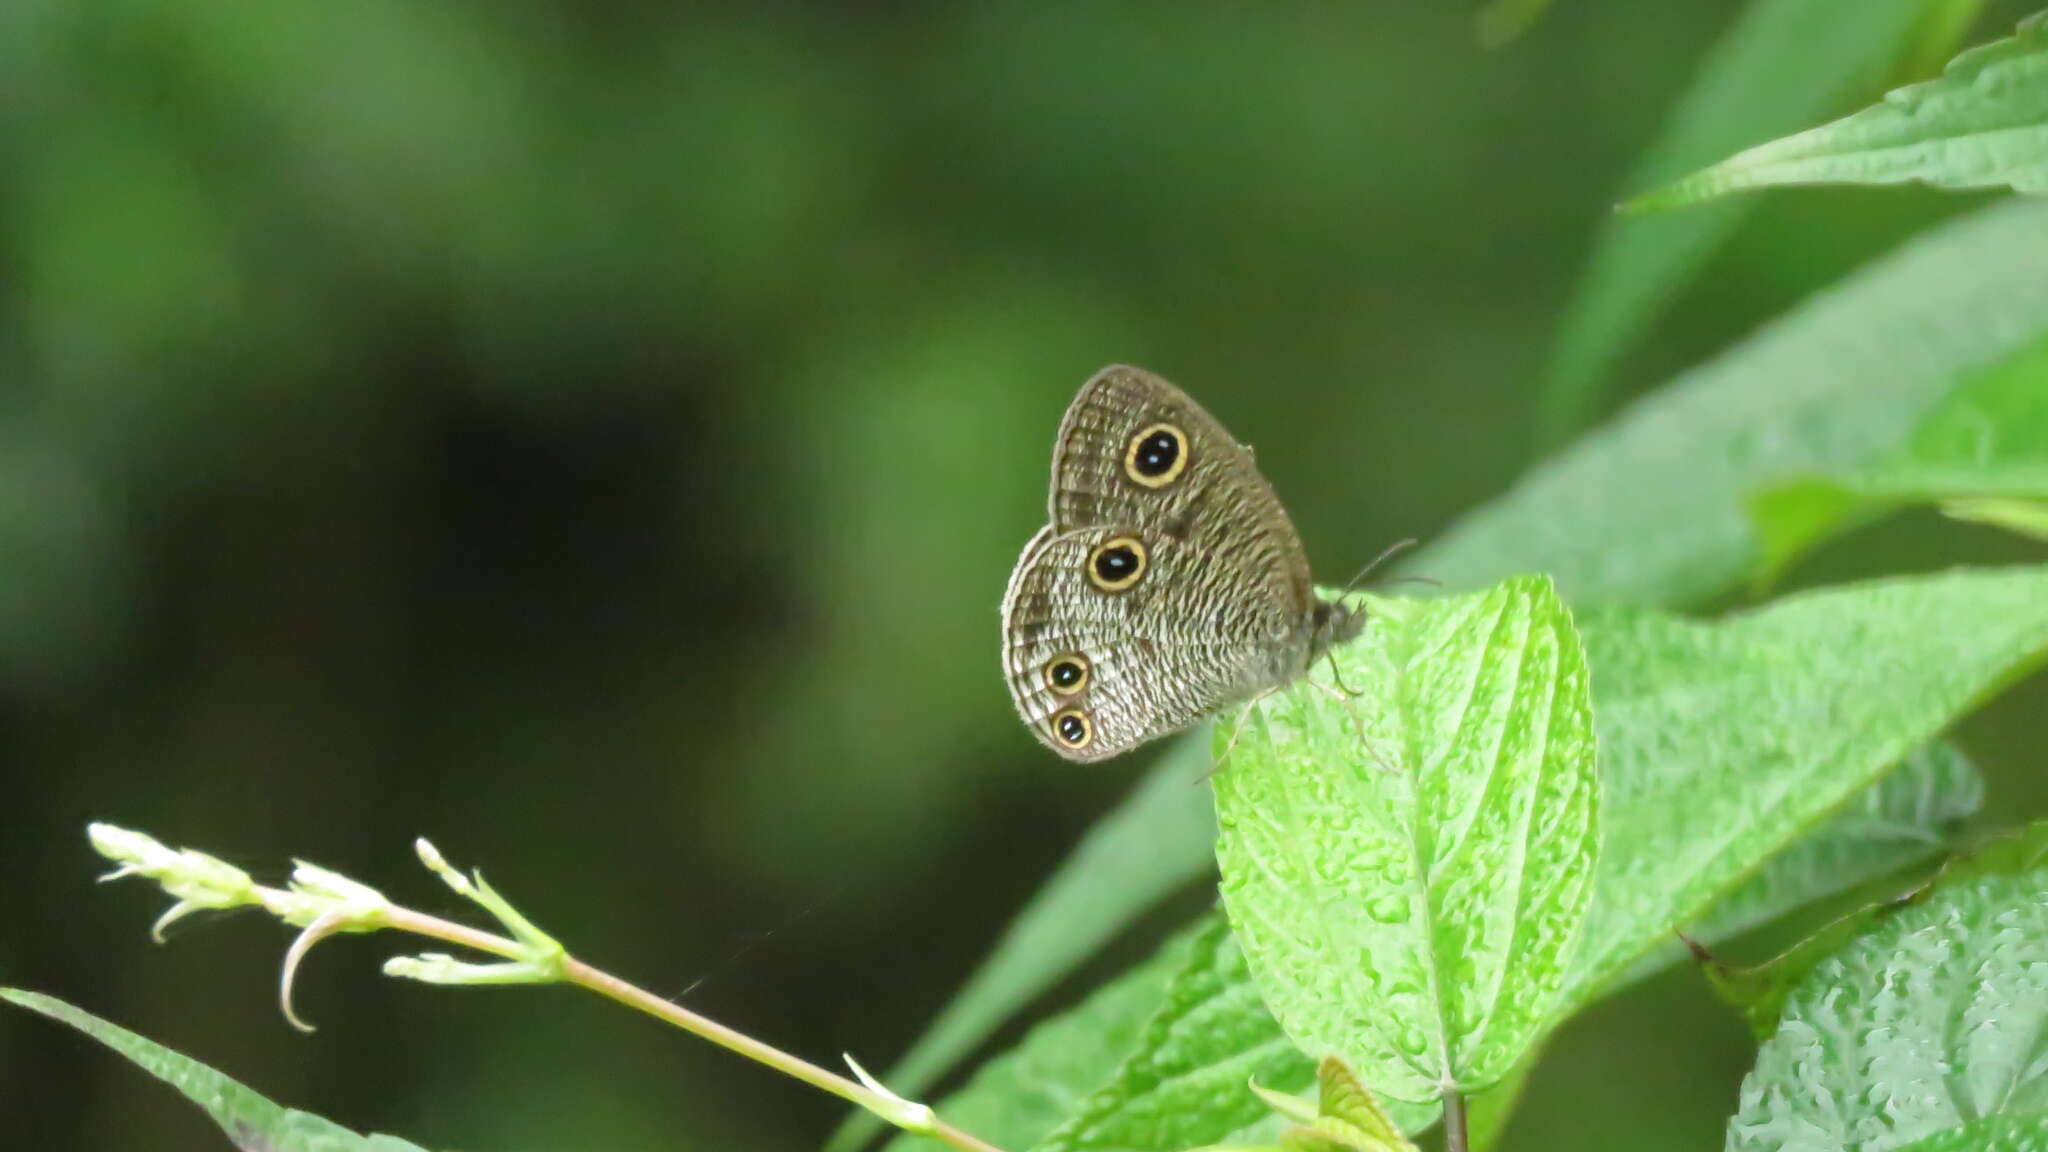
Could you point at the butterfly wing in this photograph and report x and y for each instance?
(1218, 502)
(1219, 609)
(1143, 673)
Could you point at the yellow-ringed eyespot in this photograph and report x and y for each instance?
(1072, 728)
(1117, 563)
(1157, 455)
(1067, 674)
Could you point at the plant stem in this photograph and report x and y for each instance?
(421, 924)
(611, 987)
(619, 991)
(1455, 1136)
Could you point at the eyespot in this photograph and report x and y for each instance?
(1067, 674)
(1157, 455)
(1117, 563)
(1072, 729)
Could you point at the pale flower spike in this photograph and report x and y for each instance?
(547, 952)
(441, 968)
(314, 933)
(197, 881)
(326, 884)
(905, 1114)
(320, 901)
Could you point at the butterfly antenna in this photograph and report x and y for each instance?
(1386, 554)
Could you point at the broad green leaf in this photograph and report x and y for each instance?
(1186, 1084)
(1155, 841)
(1991, 1134)
(1014, 1100)
(1781, 66)
(1905, 818)
(251, 1122)
(1931, 1019)
(1982, 124)
(1988, 439)
(1723, 743)
(1445, 853)
(1650, 507)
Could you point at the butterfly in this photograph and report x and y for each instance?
(1168, 584)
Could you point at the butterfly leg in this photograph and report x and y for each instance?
(1244, 714)
(1350, 702)
(1347, 698)
(1338, 676)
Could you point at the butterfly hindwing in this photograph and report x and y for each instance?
(1145, 674)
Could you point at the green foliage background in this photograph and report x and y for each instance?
(596, 437)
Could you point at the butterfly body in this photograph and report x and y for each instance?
(1169, 582)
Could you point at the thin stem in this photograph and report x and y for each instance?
(619, 991)
(421, 924)
(612, 988)
(1456, 1138)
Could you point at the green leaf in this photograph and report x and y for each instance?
(1929, 1020)
(1155, 841)
(253, 1123)
(1650, 507)
(1991, 1134)
(1905, 818)
(1982, 124)
(1346, 1117)
(1988, 439)
(1185, 1086)
(1014, 1100)
(1445, 856)
(1346, 1099)
(1290, 1107)
(1723, 743)
(1760, 991)
(2026, 517)
(1782, 65)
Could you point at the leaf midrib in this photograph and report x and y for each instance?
(1520, 841)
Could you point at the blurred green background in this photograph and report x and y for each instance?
(596, 437)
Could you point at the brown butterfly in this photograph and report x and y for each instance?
(1169, 584)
